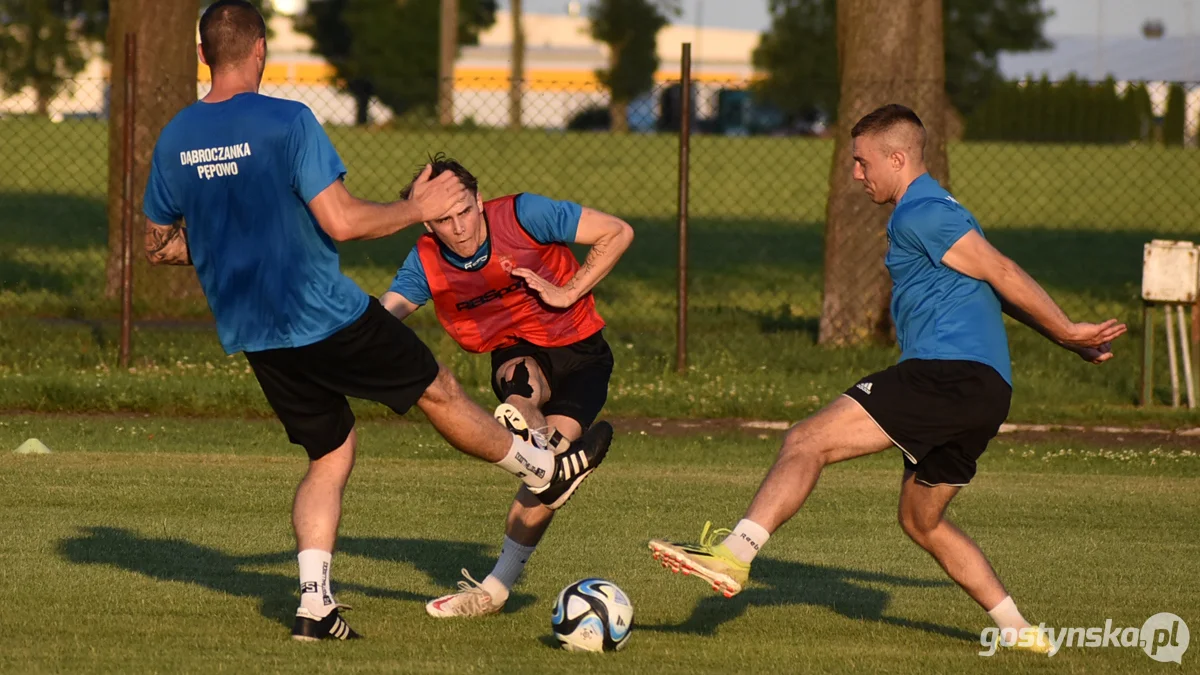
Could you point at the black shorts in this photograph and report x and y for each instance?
(377, 358)
(578, 375)
(941, 414)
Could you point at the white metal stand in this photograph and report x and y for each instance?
(1171, 278)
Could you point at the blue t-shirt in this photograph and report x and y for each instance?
(547, 220)
(241, 173)
(940, 314)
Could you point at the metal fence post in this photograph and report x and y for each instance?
(1147, 397)
(1195, 337)
(447, 48)
(127, 228)
(685, 133)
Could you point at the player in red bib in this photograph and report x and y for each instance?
(504, 282)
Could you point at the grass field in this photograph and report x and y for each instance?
(160, 542)
(147, 544)
(1075, 217)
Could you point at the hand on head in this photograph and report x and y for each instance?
(439, 197)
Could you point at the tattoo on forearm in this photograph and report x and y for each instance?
(589, 264)
(167, 245)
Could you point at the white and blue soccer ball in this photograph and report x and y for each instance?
(592, 615)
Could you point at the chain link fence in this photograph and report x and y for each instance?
(1070, 179)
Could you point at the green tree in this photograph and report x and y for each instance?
(1141, 111)
(1113, 127)
(799, 51)
(630, 29)
(1175, 118)
(976, 32)
(1070, 111)
(799, 56)
(45, 43)
(388, 48)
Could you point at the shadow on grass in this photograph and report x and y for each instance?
(64, 222)
(738, 257)
(1098, 261)
(844, 591)
(17, 276)
(182, 561)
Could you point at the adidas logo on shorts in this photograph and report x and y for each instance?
(865, 386)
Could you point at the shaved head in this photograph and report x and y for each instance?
(229, 30)
(898, 129)
(889, 151)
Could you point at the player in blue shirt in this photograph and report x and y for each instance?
(941, 404)
(259, 186)
(503, 281)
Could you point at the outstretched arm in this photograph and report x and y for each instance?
(167, 244)
(609, 238)
(345, 217)
(1026, 301)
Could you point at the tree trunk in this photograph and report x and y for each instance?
(887, 53)
(619, 110)
(166, 83)
(362, 106)
(930, 100)
(45, 94)
(517, 79)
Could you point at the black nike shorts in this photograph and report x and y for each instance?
(578, 375)
(376, 358)
(941, 414)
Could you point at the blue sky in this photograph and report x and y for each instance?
(1073, 17)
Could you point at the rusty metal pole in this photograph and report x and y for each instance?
(447, 50)
(1195, 340)
(1147, 384)
(685, 133)
(127, 227)
(517, 77)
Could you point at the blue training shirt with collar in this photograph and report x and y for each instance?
(547, 220)
(241, 173)
(940, 314)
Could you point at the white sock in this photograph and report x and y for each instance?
(513, 557)
(534, 466)
(496, 589)
(315, 595)
(1006, 615)
(746, 539)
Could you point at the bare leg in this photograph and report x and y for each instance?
(317, 509)
(462, 422)
(840, 431)
(527, 518)
(528, 401)
(922, 516)
(316, 514)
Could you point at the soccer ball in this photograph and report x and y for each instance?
(592, 615)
